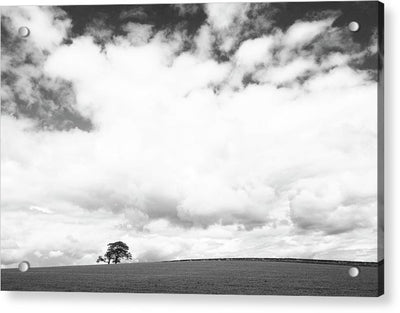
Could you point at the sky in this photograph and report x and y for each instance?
(189, 131)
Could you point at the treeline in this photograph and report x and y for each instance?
(291, 260)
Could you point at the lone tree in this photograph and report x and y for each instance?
(116, 251)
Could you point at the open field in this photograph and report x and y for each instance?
(251, 277)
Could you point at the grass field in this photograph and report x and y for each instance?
(200, 277)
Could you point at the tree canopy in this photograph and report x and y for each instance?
(116, 252)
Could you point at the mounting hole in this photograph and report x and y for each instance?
(24, 266)
(354, 26)
(23, 31)
(354, 271)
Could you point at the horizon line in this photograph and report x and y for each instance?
(288, 260)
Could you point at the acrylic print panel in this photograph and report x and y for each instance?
(195, 148)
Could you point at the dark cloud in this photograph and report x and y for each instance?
(188, 9)
(161, 16)
(100, 29)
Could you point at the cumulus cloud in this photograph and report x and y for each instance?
(301, 32)
(267, 152)
(138, 33)
(41, 210)
(289, 72)
(253, 52)
(55, 254)
(222, 15)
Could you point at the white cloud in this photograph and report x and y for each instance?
(40, 209)
(303, 32)
(287, 73)
(203, 41)
(336, 59)
(254, 51)
(340, 77)
(226, 20)
(55, 254)
(222, 15)
(38, 254)
(138, 34)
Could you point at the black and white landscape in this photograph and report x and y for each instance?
(239, 132)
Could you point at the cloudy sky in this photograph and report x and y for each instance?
(189, 131)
